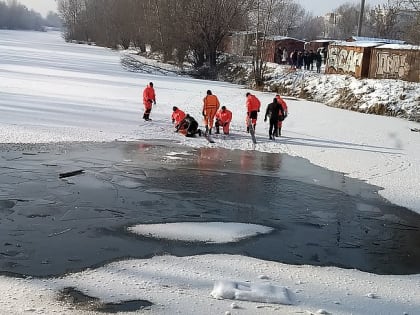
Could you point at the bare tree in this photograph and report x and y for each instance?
(14, 15)
(263, 21)
(410, 14)
(310, 28)
(287, 17)
(348, 20)
(211, 20)
(384, 20)
(53, 20)
(71, 14)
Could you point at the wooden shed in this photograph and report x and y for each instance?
(239, 43)
(277, 46)
(393, 61)
(350, 58)
(318, 43)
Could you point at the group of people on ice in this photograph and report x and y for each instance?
(220, 117)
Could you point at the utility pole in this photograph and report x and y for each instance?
(362, 9)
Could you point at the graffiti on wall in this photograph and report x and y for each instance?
(391, 65)
(344, 60)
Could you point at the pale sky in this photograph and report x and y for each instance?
(41, 6)
(319, 7)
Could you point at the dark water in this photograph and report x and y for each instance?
(49, 226)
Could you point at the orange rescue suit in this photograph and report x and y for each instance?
(253, 104)
(149, 97)
(284, 106)
(210, 106)
(224, 118)
(177, 116)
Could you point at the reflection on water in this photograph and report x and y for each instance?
(320, 217)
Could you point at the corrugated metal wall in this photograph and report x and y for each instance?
(352, 60)
(387, 63)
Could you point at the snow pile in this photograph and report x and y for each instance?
(383, 97)
(182, 285)
(208, 232)
(131, 61)
(254, 292)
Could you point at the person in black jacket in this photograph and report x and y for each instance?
(273, 110)
(188, 127)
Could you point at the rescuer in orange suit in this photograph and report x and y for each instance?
(210, 106)
(253, 105)
(281, 117)
(223, 118)
(149, 98)
(177, 116)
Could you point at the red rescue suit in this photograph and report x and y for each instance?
(177, 116)
(253, 105)
(223, 118)
(149, 98)
(284, 106)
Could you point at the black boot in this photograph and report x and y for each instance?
(254, 125)
(217, 130)
(247, 129)
(279, 132)
(207, 130)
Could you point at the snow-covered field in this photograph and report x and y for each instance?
(52, 91)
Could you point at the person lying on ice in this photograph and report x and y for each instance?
(223, 118)
(188, 127)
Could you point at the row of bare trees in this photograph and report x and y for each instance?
(193, 29)
(174, 27)
(395, 19)
(179, 29)
(16, 16)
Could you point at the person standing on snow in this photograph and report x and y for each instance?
(282, 115)
(177, 116)
(210, 107)
(318, 61)
(149, 98)
(223, 118)
(253, 105)
(273, 110)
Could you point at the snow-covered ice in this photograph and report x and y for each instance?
(208, 232)
(52, 91)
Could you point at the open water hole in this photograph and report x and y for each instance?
(49, 226)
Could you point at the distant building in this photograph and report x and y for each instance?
(239, 43)
(275, 47)
(394, 61)
(373, 59)
(278, 48)
(350, 58)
